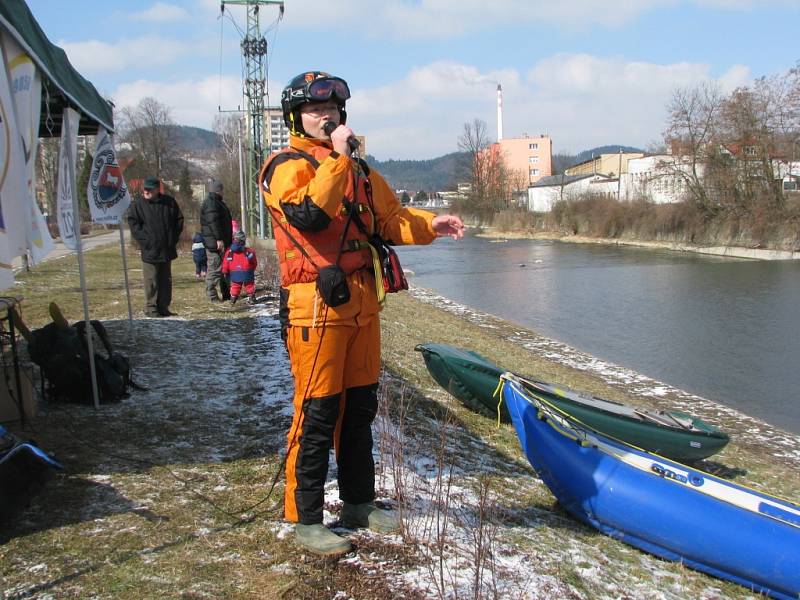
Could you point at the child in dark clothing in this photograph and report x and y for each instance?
(199, 256)
(240, 264)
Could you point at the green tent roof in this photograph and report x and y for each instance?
(62, 85)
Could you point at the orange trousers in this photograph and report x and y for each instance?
(335, 369)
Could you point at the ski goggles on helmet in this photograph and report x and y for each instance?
(322, 89)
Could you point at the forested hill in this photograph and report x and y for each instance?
(442, 173)
(194, 139)
(435, 174)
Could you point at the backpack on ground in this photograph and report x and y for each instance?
(62, 353)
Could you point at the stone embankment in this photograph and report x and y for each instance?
(728, 251)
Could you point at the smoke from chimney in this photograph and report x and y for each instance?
(499, 112)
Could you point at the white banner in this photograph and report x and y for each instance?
(12, 171)
(107, 193)
(26, 90)
(12, 182)
(6, 272)
(67, 219)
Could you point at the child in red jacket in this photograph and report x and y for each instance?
(239, 263)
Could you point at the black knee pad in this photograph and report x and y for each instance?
(361, 405)
(319, 417)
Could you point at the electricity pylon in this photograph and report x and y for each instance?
(254, 75)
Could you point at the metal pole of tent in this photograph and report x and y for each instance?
(125, 271)
(79, 249)
(243, 199)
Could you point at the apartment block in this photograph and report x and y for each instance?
(275, 131)
(529, 155)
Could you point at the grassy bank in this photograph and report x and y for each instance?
(167, 494)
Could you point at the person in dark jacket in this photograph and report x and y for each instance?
(215, 221)
(156, 222)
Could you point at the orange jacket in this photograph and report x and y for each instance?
(312, 197)
(309, 246)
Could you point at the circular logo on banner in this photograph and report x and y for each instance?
(108, 188)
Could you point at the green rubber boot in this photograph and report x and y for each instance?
(370, 516)
(320, 540)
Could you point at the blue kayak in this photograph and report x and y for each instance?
(24, 467)
(658, 505)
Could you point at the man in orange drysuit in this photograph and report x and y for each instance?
(324, 207)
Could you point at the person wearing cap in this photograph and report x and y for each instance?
(239, 265)
(156, 223)
(215, 224)
(325, 207)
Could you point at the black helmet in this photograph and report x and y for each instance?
(312, 86)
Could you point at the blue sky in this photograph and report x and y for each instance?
(584, 72)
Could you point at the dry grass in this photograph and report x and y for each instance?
(166, 494)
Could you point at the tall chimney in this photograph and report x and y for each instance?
(499, 112)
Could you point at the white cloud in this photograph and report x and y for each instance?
(579, 100)
(415, 19)
(736, 76)
(161, 13)
(402, 19)
(191, 102)
(745, 4)
(94, 56)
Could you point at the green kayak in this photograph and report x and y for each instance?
(473, 380)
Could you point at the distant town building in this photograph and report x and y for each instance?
(611, 164)
(275, 130)
(658, 178)
(529, 155)
(543, 194)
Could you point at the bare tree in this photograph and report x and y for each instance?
(226, 158)
(518, 181)
(761, 120)
(47, 172)
(488, 178)
(691, 131)
(149, 129)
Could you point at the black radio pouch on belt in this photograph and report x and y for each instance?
(332, 285)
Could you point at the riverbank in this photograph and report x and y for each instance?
(727, 251)
(167, 493)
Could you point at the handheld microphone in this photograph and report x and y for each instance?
(330, 126)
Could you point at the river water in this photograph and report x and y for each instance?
(725, 329)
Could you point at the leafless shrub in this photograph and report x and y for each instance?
(454, 534)
(515, 220)
(483, 528)
(394, 404)
(271, 272)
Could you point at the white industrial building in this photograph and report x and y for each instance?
(659, 178)
(543, 194)
(656, 178)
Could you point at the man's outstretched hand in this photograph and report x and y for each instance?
(450, 225)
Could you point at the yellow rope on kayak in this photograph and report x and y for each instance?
(499, 389)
